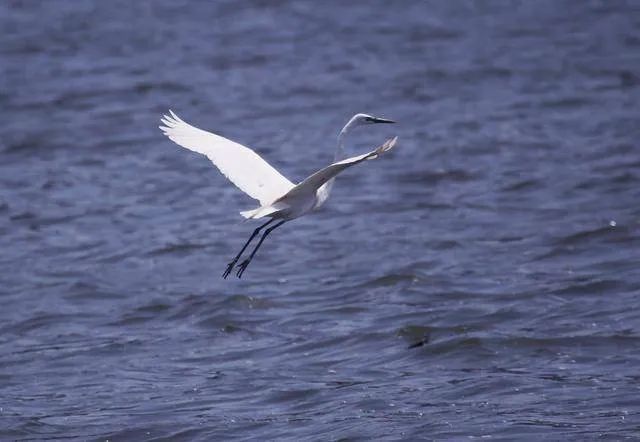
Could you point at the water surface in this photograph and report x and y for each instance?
(502, 233)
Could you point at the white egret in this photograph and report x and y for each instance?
(279, 198)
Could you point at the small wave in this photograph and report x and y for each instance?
(415, 335)
(245, 302)
(176, 248)
(438, 176)
(391, 280)
(521, 185)
(567, 103)
(607, 232)
(590, 288)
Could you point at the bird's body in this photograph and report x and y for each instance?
(311, 193)
(279, 198)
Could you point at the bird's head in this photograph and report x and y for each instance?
(363, 119)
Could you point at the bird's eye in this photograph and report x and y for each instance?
(368, 119)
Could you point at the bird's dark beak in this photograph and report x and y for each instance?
(382, 120)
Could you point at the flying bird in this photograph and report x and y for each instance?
(280, 199)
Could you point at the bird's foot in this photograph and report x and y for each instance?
(229, 268)
(242, 267)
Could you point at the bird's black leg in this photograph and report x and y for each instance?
(253, 235)
(243, 265)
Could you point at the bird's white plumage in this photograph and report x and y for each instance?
(279, 198)
(241, 165)
(314, 181)
(307, 195)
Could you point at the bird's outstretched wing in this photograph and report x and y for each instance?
(241, 165)
(316, 180)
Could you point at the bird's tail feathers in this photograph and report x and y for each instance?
(263, 211)
(248, 214)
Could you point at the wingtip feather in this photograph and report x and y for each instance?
(388, 145)
(170, 121)
(175, 117)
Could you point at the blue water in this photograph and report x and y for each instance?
(480, 281)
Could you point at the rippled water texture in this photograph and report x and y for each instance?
(480, 281)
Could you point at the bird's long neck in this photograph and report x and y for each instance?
(339, 155)
(325, 189)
